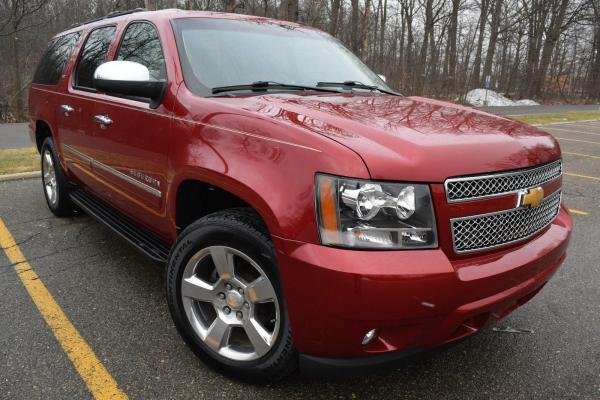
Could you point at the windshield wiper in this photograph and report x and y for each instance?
(355, 85)
(262, 86)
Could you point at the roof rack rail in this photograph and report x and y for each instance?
(110, 15)
(119, 13)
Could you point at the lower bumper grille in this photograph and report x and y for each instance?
(485, 231)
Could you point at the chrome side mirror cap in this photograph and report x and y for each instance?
(130, 79)
(122, 71)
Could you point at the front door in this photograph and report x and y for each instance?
(132, 140)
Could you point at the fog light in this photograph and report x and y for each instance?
(369, 336)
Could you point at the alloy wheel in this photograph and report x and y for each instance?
(49, 178)
(230, 303)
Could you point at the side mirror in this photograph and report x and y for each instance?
(129, 78)
(382, 77)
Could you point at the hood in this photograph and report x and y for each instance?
(411, 138)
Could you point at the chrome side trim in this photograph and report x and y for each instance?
(110, 170)
(499, 175)
(77, 153)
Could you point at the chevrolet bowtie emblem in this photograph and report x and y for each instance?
(531, 197)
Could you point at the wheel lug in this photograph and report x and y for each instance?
(240, 291)
(222, 295)
(226, 310)
(239, 314)
(228, 286)
(246, 304)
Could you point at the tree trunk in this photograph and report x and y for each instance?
(489, 57)
(381, 61)
(17, 83)
(475, 77)
(421, 66)
(354, 26)
(450, 83)
(335, 14)
(552, 35)
(229, 6)
(289, 10)
(364, 48)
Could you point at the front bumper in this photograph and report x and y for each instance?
(417, 299)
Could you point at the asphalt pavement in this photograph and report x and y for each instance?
(14, 136)
(115, 299)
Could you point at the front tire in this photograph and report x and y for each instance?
(226, 299)
(55, 183)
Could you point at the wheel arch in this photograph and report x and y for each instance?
(194, 196)
(42, 131)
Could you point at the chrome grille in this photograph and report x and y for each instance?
(485, 231)
(472, 187)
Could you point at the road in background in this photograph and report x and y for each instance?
(14, 136)
(523, 110)
(115, 299)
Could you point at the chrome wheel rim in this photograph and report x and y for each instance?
(230, 303)
(49, 178)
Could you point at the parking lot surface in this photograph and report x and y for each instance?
(114, 297)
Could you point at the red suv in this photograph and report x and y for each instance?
(307, 214)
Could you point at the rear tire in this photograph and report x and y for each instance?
(226, 299)
(55, 183)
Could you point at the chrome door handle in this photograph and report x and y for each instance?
(102, 120)
(66, 109)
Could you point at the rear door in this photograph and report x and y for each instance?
(131, 150)
(48, 98)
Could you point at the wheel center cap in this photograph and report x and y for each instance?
(234, 299)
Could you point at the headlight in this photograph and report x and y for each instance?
(367, 214)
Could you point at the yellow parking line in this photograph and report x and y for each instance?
(578, 212)
(98, 380)
(573, 131)
(576, 140)
(580, 154)
(595, 178)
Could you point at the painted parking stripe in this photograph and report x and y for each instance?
(578, 212)
(576, 140)
(580, 154)
(595, 178)
(99, 381)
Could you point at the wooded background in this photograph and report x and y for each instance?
(547, 50)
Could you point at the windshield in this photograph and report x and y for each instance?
(219, 52)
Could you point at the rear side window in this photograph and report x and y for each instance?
(55, 58)
(94, 54)
(141, 44)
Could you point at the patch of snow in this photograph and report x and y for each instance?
(479, 98)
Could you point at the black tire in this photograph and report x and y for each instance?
(243, 230)
(61, 205)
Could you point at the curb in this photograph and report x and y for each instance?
(20, 176)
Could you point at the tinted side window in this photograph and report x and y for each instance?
(55, 58)
(142, 45)
(94, 53)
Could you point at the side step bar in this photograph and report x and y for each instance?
(139, 237)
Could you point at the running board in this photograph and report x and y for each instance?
(139, 237)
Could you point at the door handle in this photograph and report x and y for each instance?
(67, 109)
(103, 120)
